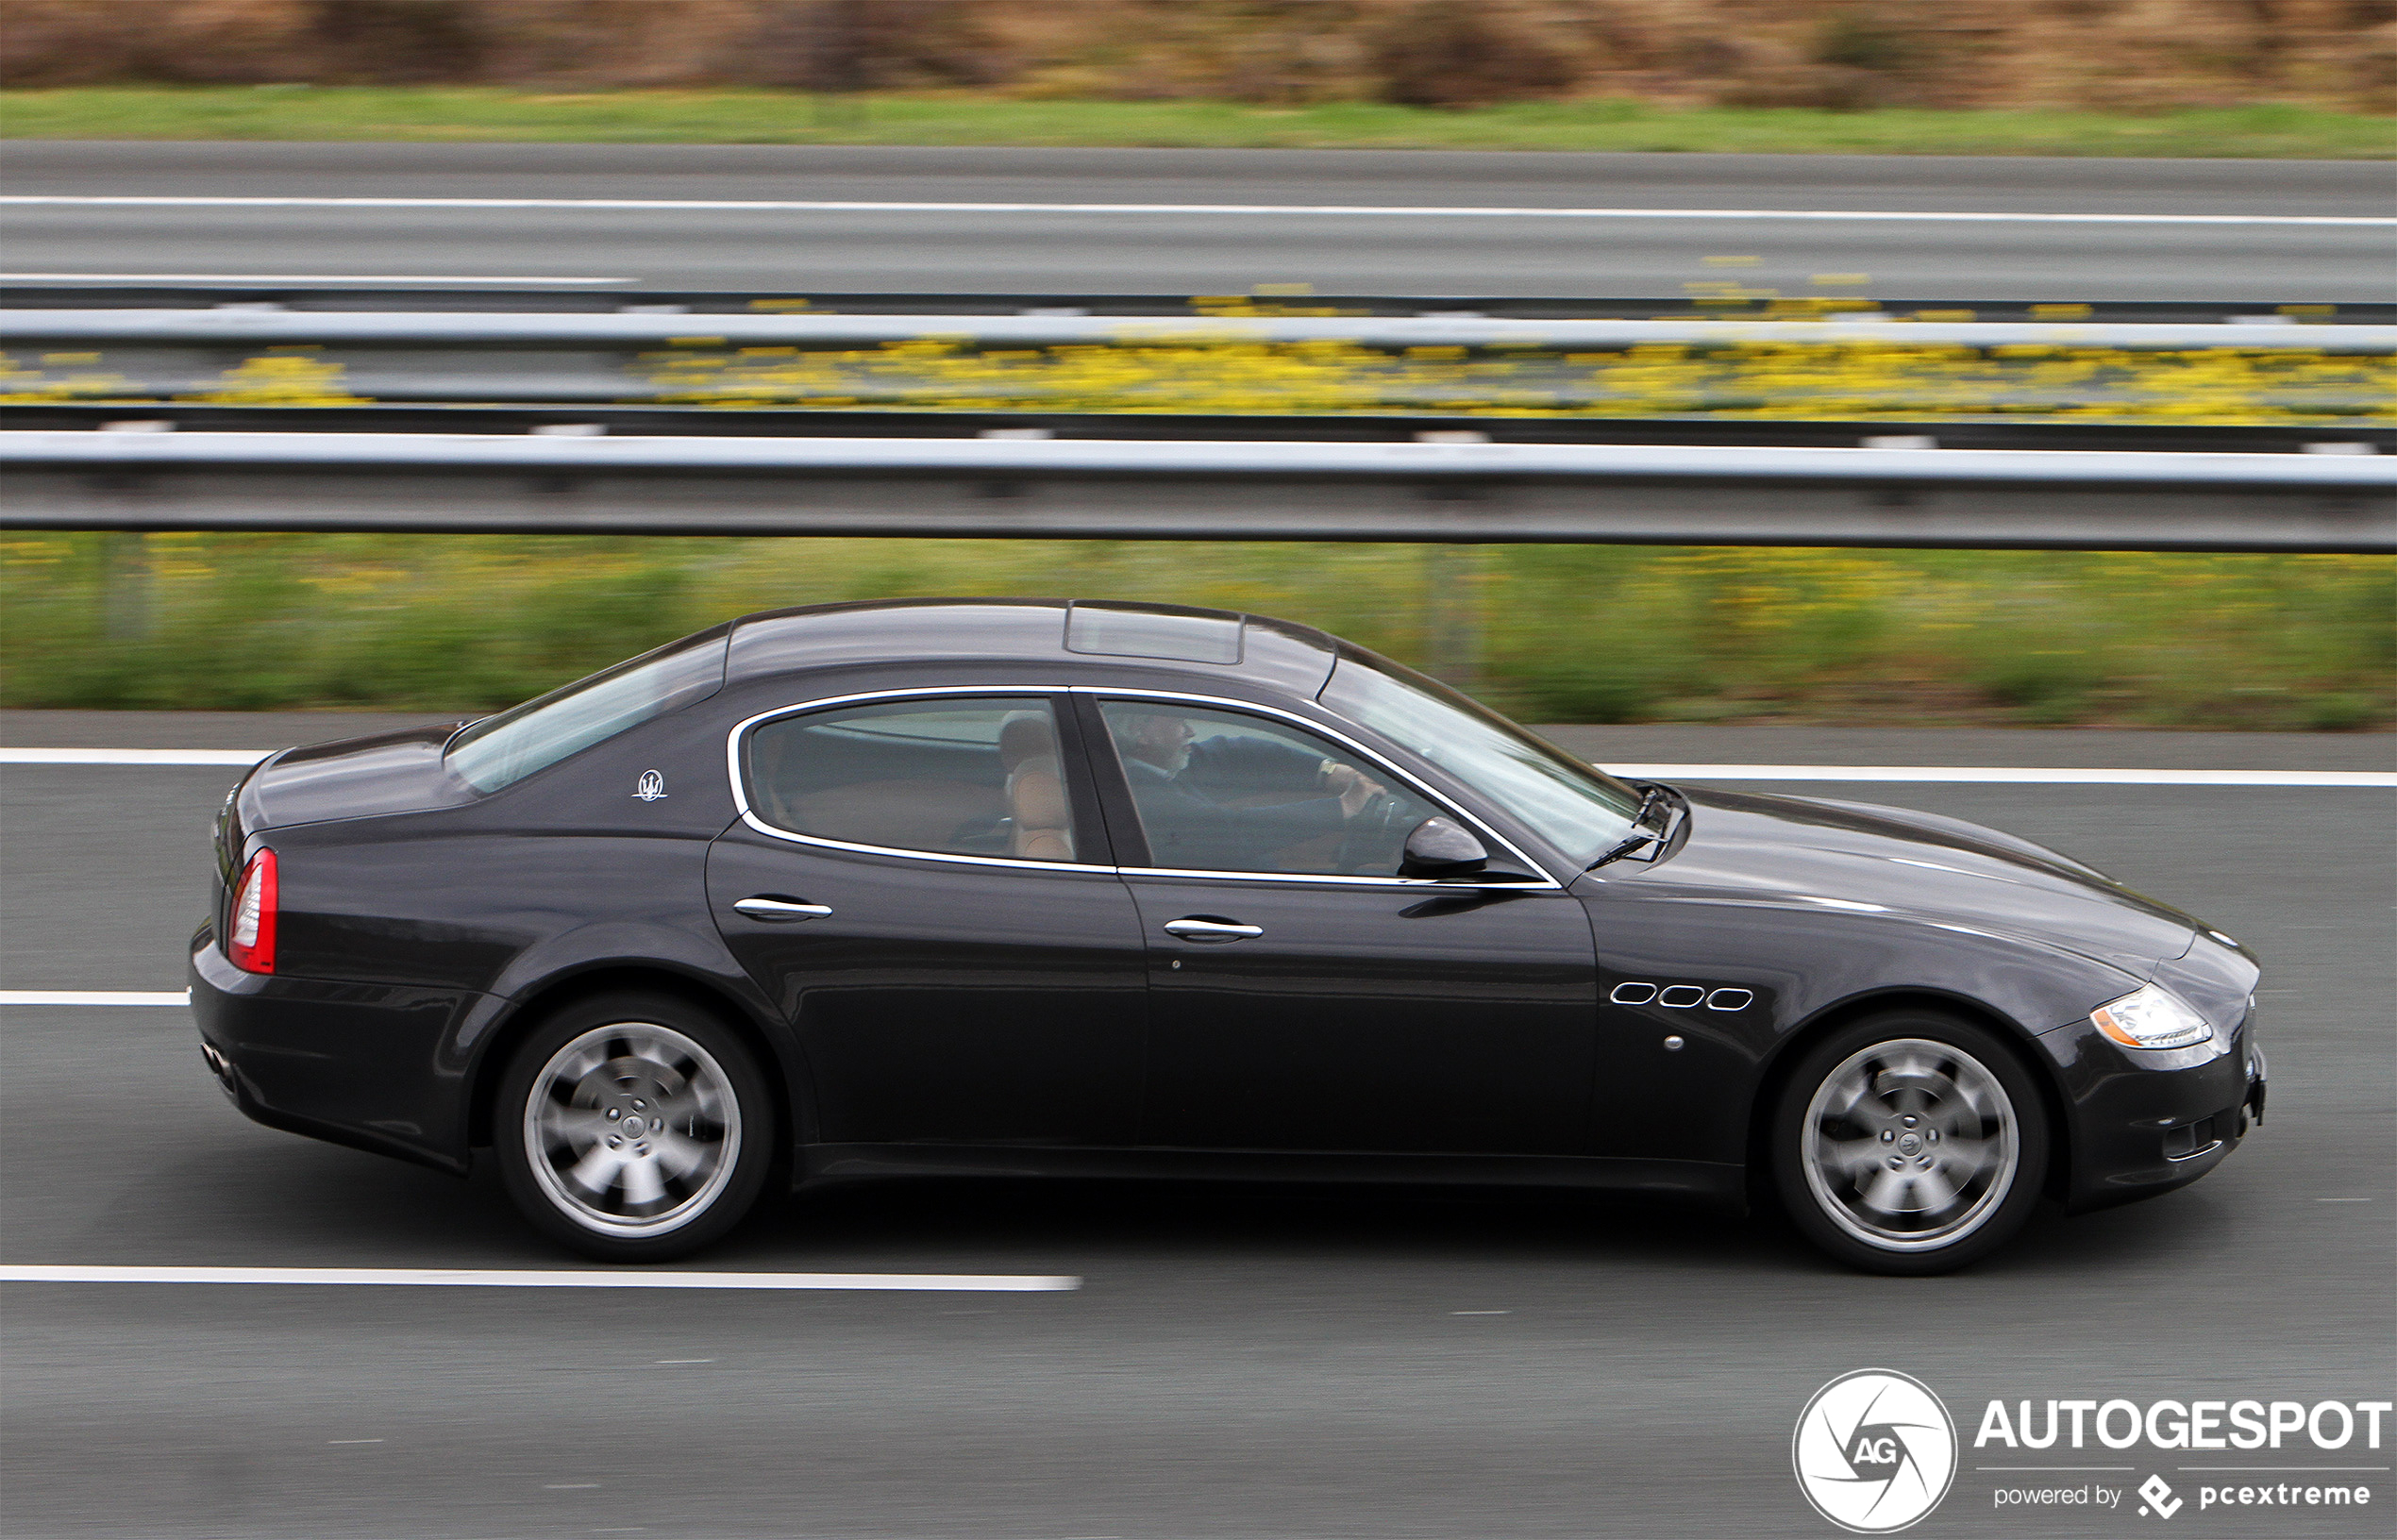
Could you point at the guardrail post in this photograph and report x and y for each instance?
(125, 585)
(1452, 614)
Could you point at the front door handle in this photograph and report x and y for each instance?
(781, 911)
(1212, 932)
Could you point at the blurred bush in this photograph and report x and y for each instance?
(1567, 633)
(1443, 54)
(2140, 54)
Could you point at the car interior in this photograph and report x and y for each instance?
(959, 778)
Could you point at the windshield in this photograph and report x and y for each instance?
(501, 750)
(1581, 810)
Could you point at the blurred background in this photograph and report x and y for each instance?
(2140, 56)
(1596, 634)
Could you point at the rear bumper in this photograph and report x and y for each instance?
(358, 1064)
(2140, 1122)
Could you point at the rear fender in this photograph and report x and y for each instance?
(603, 955)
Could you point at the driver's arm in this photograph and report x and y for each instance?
(1237, 765)
(1353, 786)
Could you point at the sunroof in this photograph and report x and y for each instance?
(1191, 636)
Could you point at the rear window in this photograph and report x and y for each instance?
(946, 776)
(501, 750)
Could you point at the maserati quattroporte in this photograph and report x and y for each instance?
(1027, 886)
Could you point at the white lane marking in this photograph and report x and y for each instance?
(353, 1441)
(2006, 775)
(1375, 211)
(133, 756)
(280, 277)
(545, 1278)
(2342, 1200)
(1960, 774)
(96, 996)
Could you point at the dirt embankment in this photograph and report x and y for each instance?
(2123, 54)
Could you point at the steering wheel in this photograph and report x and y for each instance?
(1372, 831)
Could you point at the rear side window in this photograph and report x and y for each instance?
(962, 776)
(501, 750)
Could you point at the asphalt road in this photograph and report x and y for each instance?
(1261, 1364)
(1181, 254)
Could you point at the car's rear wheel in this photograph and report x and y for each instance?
(633, 1127)
(1910, 1142)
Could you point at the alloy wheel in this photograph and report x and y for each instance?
(1910, 1144)
(631, 1130)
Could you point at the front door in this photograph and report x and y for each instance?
(1301, 997)
(922, 888)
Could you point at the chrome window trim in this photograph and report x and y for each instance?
(1545, 882)
(1338, 879)
(748, 815)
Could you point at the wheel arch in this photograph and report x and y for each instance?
(1781, 1063)
(528, 1012)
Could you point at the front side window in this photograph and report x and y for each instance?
(1226, 792)
(950, 775)
(1581, 810)
(501, 750)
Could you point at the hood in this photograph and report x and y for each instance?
(1856, 857)
(354, 778)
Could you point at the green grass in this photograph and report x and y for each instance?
(1569, 633)
(766, 117)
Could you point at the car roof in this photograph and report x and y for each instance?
(1219, 644)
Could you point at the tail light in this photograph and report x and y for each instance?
(249, 940)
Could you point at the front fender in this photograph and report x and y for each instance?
(1804, 969)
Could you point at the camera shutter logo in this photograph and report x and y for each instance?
(1874, 1451)
(650, 787)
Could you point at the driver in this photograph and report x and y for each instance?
(1182, 788)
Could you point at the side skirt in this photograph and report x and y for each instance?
(1715, 1186)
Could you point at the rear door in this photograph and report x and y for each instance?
(922, 883)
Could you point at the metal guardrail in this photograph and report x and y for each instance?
(1317, 364)
(243, 327)
(1722, 299)
(1183, 489)
(1346, 428)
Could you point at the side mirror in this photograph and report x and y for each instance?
(1441, 847)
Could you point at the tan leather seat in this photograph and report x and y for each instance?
(1035, 789)
(904, 815)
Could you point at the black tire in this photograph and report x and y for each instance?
(706, 1128)
(1887, 1194)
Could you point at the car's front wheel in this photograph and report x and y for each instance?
(1910, 1142)
(633, 1127)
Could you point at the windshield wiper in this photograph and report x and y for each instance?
(1641, 835)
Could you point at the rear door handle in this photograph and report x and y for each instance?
(781, 911)
(1212, 932)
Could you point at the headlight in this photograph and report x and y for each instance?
(2152, 1019)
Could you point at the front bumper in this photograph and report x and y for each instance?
(2140, 1122)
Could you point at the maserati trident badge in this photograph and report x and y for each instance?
(652, 787)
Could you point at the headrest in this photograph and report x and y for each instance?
(1025, 735)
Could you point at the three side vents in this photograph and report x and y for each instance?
(1682, 997)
